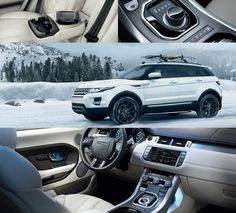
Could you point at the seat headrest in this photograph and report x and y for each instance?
(16, 172)
(8, 137)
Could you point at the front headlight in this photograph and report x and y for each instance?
(96, 90)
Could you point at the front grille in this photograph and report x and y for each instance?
(81, 91)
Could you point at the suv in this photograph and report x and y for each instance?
(165, 87)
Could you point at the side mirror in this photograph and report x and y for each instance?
(154, 75)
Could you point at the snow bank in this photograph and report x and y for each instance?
(228, 85)
(63, 91)
(37, 90)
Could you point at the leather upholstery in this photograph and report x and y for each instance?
(20, 31)
(21, 184)
(78, 203)
(224, 10)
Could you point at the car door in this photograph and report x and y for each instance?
(190, 82)
(13, 5)
(55, 153)
(164, 90)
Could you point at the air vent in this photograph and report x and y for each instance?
(179, 142)
(164, 140)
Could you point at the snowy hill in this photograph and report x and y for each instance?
(28, 52)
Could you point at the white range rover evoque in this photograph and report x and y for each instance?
(165, 87)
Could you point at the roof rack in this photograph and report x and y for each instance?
(165, 58)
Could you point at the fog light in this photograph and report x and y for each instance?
(97, 101)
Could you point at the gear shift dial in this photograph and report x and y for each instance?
(175, 16)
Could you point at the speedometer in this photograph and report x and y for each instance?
(116, 133)
(138, 135)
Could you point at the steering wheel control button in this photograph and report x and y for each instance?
(131, 5)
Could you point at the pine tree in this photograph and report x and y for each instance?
(107, 70)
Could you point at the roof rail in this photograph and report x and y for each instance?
(165, 58)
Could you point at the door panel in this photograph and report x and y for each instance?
(10, 5)
(54, 162)
(161, 91)
(55, 153)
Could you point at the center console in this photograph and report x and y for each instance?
(171, 20)
(154, 193)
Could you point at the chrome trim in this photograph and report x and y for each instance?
(131, 27)
(211, 15)
(147, 192)
(157, 105)
(159, 34)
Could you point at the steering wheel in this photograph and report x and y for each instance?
(102, 152)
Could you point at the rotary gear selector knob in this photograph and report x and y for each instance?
(176, 16)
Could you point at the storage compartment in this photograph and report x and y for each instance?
(43, 27)
(210, 192)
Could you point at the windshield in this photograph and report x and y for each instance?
(136, 73)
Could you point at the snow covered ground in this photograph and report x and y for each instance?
(57, 112)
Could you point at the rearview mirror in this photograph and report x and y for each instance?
(154, 75)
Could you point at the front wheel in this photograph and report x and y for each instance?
(95, 118)
(209, 106)
(125, 110)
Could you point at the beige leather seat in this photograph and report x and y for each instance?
(21, 186)
(14, 25)
(224, 9)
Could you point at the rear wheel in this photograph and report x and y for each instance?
(125, 110)
(209, 106)
(95, 118)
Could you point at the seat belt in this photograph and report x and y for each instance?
(92, 34)
(38, 6)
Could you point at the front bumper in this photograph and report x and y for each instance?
(94, 112)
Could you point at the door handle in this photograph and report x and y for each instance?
(173, 82)
(57, 157)
(50, 172)
(199, 80)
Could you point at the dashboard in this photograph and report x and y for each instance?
(204, 159)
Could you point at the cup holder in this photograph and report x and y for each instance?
(43, 27)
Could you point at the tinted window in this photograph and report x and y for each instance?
(187, 71)
(168, 71)
(205, 72)
(137, 73)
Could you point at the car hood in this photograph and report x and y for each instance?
(110, 83)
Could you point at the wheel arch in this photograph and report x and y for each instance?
(127, 94)
(213, 92)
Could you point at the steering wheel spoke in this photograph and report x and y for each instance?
(101, 152)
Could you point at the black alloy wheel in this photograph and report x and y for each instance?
(208, 106)
(125, 110)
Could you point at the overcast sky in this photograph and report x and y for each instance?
(126, 52)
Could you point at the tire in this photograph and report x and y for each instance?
(125, 110)
(208, 107)
(95, 118)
